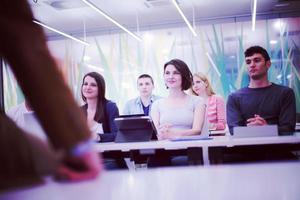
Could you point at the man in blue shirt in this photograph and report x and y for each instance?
(142, 104)
(262, 102)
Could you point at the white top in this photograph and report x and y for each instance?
(180, 117)
(223, 182)
(97, 128)
(26, 120)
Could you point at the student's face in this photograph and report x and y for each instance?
(145, 86)
(172, 77)
(257, 66)
(90, 88)
(199, 86)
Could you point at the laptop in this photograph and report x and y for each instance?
(255, 131)
(135, 128)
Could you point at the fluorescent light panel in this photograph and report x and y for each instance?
(273, 41)
(99, 69)
(61, 33)
(184, 18)
(254, 14)
(93, 6)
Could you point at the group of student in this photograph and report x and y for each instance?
(260, 103)
(191, 105)
(176, 115)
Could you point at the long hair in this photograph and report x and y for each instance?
(187, 77)
(209, 90)
(101, 100)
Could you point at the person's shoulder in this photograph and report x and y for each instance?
(239, 92)
(155, 97)
(111, 107)
(283, 91)
(282, 87)
(133, 101)
(158, 102)
(217, 97)
(110, 103)
(196, 99)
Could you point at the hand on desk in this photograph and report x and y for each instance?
(256, 121)
(165, 132)
(85, 166)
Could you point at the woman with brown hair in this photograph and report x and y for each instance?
(179, 114)
(100, 111)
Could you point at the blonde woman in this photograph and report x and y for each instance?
(215, 109)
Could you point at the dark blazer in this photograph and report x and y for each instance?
(109, 127)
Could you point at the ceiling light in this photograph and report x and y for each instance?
(282, 4)
(93, 6)
(254, 14)
(184, 18)
(279, 24)
(273, 41)
(279, 76)
(99, 69)
(213, 64)
(61, 33)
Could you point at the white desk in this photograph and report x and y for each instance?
(217, 141)
(220, 141)
(260, 182)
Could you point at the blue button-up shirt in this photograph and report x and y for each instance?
(135, 106)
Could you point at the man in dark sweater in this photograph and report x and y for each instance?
(262, 102)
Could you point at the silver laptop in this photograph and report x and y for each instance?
(255, 131)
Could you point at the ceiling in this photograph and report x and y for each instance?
(71, 16)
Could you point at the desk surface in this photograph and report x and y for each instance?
(256, 181)
(215, 142)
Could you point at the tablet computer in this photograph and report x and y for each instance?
(135, 129)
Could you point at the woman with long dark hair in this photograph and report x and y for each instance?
(100, 112)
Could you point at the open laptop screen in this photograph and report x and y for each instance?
(135, 129)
